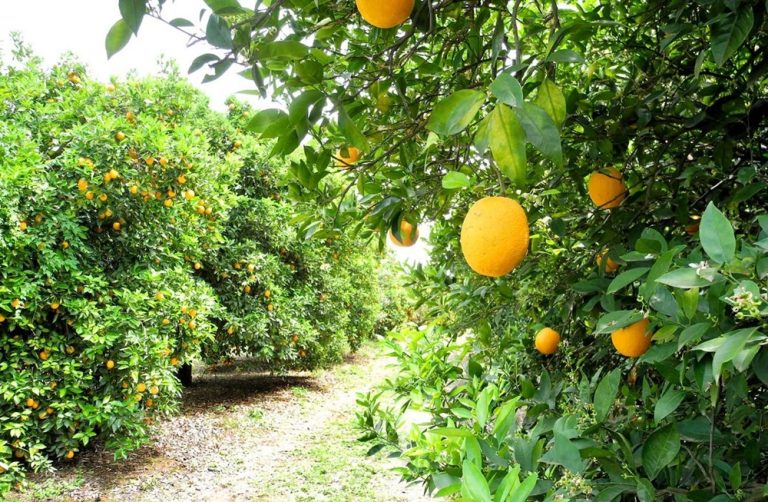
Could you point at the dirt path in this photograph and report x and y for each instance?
(247, 436)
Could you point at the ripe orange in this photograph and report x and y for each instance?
(116, 226)
(113, 174)
(237, 144)
(494, 236)
(15, 303)
(110, 88)
(30, 402)
(606, 188)
(270, 307)
(119, 136)
(198, 266)
(141, 387)
(55, 305)
(23, 226)
(409, 234)
(189, 194)
(247, 289)
(192, 313)
(168, 202)
(610, 265)
(192, 325)
(353, 154)
(163, 161)
(547, 340)
(110, 364)
(385, 14)
(64, 244)
(130, 117)
(70, 349)
(44, 354)
(267, 293)
(103, 197)
(149, 403)
(230, 330)
(251, 267)
(89, 195)
(154, 390)
(82, 185)
(182, 179)
(174, 361)
(2, 318)
(633, 340)
(165, 322)
(693, 227)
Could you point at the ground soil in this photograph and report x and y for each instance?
(245, 435)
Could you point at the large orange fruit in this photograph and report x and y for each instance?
(494, 236)
(349, 160)
(547, 341)
(633, 340)
(385, 13)
(606, 188)
(408, 233)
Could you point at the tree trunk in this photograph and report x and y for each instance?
(185, 375)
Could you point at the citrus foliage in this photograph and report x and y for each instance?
(121, 208)
(618, 126)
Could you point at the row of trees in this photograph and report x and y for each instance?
(531, 100)
(140, 231)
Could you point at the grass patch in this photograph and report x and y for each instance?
(53, 488)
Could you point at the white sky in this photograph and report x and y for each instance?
(53, 27)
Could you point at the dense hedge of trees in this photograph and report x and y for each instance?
(139, 230)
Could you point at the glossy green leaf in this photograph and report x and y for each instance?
(605, 394)
(508, 90)
(612, 321)
(507, 143)
(454, 113)
(218, 32)
(541, 132)
(117, 38)
(716, 234)
(660, 449)
(226, 7)
(733, 342)
(626, 278)
(552, 100)
(454, 180)
(473, 484)
(351, 131)
(132, 12)
(730, 33)
(667, 404)
(683, 278)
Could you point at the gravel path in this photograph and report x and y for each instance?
(247, 436)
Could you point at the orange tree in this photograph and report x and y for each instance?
(631, 135)
(119, 202)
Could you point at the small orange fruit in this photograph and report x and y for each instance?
(23, 226)
(141, 387)
(82, 185)
(119, 136)
(270, 307)
(267, 293)
(174, 361)
(89, 195)
(633, 340)
(610, 265)
(103, 197)
(116, 226)
(165, 322)
(163, 161)
(409, 234)
(110, 364)
(30, 402)
(494, 236)
(353, 155)
(168, 202)
(15, 303)
(198, 265)
(149, 403)
(247, 289)
(606, 188)
(64, 244)
(192, 313)
(154, 390)
(70, 455)
(44, 355)
(385, 14)
(55, 305)
(547, 340)
(192, 325)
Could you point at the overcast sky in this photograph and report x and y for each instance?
(53, 27)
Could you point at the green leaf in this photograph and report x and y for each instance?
(668, 403)
(541, 132)
(201, 60)
(684, 278)
(688, 300)
(734, 477)
(730, 348)
(605, 394)
(612, 321)
(117, 38)
(263, 119)
(565, 453)
(716, 234)
(218, 33)
(524, 490)
(510, 482)
(505, 419)
(473, 484)
(284, 49)
(508, 90)
(692, 334)
(660, 449)
(565, 56)
(730, 33)
(454, 180)
(450, 432)
(180, 22)
(552, 100)
(454, 113)
(482, 406)
(226, 7)
(507, 143)
(132, 12)
(626, 278)
(351, 131)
